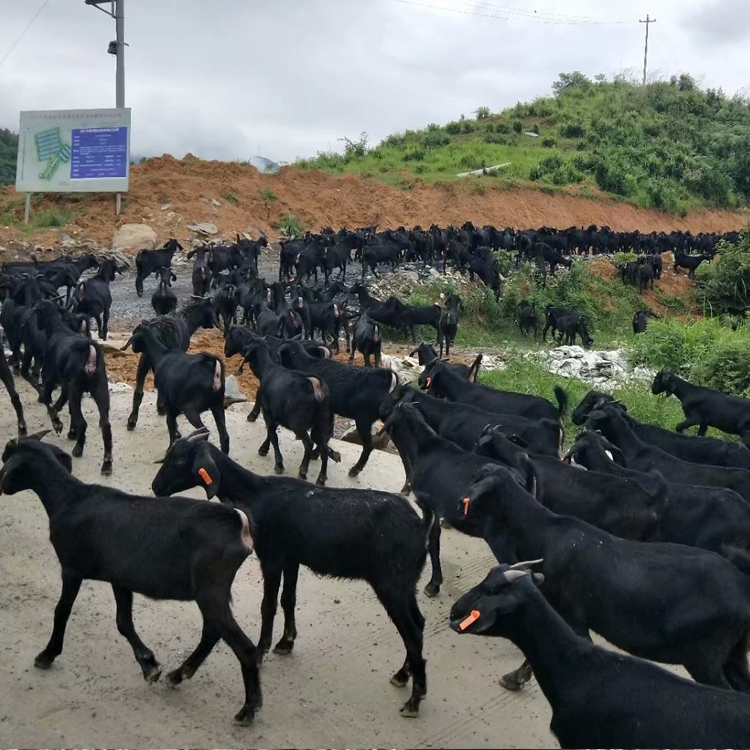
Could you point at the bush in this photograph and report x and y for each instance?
(535, 128)
(706, 352)
(503, 127)
(724, 286)
(549, 142)
(482, 113)
(517, 126)
(291, 225)
(621, 259)
(453, 127)
(572, 130)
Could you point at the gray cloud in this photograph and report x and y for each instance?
(288, 78)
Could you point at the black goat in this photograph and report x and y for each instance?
(175, 334)
(356, 392)
(442, 382)
(164, 300)
(653, 603)
(706, 407)
(150, 261)
(225, 304)
(74, 363)
(366, 339)
(527, 319)
(699, 450)
(643, 457)
(568, 324)
(597, 697)
(173, 548)
(188, 384)
(427, 354)
(373, 255)
(356, 534)
(640, 320)
(94, 298)
(448, 324)
(6, 376)
(691, 262)
(301, 403)
(710, 518)
(202, 275)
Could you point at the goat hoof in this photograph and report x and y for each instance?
(283, 648)
(263, 450)
(301, 475)
(406, 489)
(42, 661)
(321, 481)
(153, 674)
(245, 716)
(174, 678)
(77, 451)
(335, 456)
(131, 425)
(57, 427)
(71, 434)
(280, 470)
(107, 468)
(354, 471)
(408, 711)
(432, 590)
(22, 430)
(400, 679)
(160, 410)
(251, 417)
(511, 682)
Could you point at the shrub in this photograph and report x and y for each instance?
(517, 126)
(724, 286)
(535, 128)
(571, 130)
(291, 226)
(502, 127)
(621, 259)
(549, 142)
(453, 127)
(482, 113)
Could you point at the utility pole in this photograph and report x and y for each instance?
(645, 52)
(117, 48)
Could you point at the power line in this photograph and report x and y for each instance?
(536, 13)
(529, 19)
(23, 33)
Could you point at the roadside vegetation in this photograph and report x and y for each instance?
(8, 155)
(669, 145)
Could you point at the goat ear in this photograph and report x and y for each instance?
(205, 471)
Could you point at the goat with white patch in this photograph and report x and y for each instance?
(294, 400)
(188, 384)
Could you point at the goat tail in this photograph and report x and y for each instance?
(83, 360)
(318, 390)
(218, 379)
(246, 535)
(562, 401)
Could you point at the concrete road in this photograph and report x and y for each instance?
(333, 691)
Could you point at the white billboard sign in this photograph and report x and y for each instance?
(74, 151)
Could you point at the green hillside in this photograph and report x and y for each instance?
(667, 145)
(8, 152)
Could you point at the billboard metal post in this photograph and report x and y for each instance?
(120, 74)
(27, 209)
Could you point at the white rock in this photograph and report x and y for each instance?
(166, 206)
(214, 202)
(232, 392)
(134, 237)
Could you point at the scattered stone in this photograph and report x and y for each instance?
(207, 228)
(598, 367)
(166, 206)
(232, 392)
(408, 369)
(214, 202)
(134, 237)
(379, 440)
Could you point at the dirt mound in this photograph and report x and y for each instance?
(167, 193)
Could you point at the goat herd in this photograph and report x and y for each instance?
(638, 534)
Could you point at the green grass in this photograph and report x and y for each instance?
(668, 145)
(230, 197)
(291, 225)
(268, 195)
(526, 376)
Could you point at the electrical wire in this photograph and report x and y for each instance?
(23, 33)
(534, 18)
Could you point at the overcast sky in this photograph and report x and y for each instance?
(286, 78)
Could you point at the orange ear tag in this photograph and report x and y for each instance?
(473, 617)
(381, 430)
(205, 476)
(466, 502)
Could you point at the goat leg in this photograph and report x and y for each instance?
(516, 679)
(71, 585)
(209, 638)
(288, 604)
(143, 655)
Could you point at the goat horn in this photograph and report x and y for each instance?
(513, 575)
(37, 435)
(201, 434)
(526, 564)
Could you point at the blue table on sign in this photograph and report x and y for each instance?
(98, 152)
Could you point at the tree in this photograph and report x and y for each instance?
(568, 81)
(8, 156)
